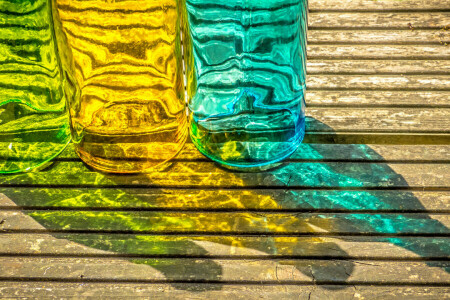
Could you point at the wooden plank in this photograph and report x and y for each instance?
(218, 245)
(397, 20)
(380, 52)
(264, 247)
(378, 99)
(341, 152)
(228, 270)
(385, 37)
(379, 5)
(224, 200)
(385, 138)
(384, 67)
(398, 120)
(331, 152)
(216, 291)
(228, 222)
(207, 174)
(379, 82)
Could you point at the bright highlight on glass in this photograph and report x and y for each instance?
(130, 115)
(34, 87)
(246, 63)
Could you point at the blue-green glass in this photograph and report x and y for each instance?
(246, 75)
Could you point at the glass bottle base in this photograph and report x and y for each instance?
(30, 156)
(256, 152)
(29, 137)
(128, 154)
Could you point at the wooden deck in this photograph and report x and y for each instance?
(362, 210)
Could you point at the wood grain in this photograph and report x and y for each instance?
(369, 100)
(207, 174)
(379, 52)
(398, 120)
(224, 200)
(217, 291)
(368, 219)
(385, 37)
(388, 20)
(384, 67)
(238, 247)
(255, 271)
(341, 152)
(380, 82)
(228, 223)
(379, 5)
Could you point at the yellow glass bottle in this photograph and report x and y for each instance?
(130, 115)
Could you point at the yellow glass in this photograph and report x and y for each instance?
(127, 57)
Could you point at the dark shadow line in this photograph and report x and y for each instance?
(376, 73)
(387, 106)
(225, 233)
(398, 131)
(384, 43)
(384, 58)
(372, 11)
(362, 28)
(378, 89)
(257, 187)
(224, 282)
(230, 257)
(227, 210)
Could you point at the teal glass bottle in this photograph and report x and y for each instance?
(246, 73)
(34, 86)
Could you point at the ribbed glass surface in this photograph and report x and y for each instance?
(34, 126)
(130, 115)
(246, 63)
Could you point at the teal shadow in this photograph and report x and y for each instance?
(334, 178)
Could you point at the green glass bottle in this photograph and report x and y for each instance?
(34, 86)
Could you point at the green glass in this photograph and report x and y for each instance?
(34, 86)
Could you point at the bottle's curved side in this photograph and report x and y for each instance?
(130, 115)
(34, 126)
(249, 57)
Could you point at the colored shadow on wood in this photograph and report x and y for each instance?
(285, 216)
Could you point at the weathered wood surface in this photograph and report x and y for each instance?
(379, 52)
(237, 247)
(217, 291)
(231, 270)
(380, 82)
(333, 152)
(385, 37)
(363, 212)
(229, 223)
(380, 5)
(385, 99)
(376, 67)
(207, 174)
(262, 200)
(379, 20)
